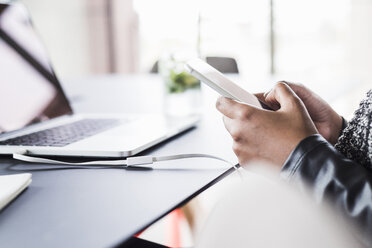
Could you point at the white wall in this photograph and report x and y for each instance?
(75, 34)
(63, 28)
(361, 38)
(126, 36)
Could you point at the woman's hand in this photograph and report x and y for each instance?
(326, 120)
(267, 135)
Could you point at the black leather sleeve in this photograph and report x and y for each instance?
(315, 164)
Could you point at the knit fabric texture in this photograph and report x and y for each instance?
(355, 141)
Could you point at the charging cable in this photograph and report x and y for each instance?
(145, 162)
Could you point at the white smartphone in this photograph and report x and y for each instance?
(224, 86)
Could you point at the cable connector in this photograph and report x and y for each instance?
(140, 161)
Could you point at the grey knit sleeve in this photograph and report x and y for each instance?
(355, 141)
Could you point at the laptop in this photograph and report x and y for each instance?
(36, 117)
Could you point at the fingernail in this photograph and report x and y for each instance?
(266, 93)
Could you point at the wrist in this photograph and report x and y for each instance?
(293, 144)
(344, 124)
(338, 128)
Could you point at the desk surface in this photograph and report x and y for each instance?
(104, 207)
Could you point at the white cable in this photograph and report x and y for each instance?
(189, 155)
(30, 159)
(131, 162)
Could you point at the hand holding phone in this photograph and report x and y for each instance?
(224, 86)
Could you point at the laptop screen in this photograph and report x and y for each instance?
(29, 90)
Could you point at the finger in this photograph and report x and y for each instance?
(283, 95)
(232, 127)
(227, 122)
(300, 90)
(267, 92)
(234, 109)
(294, 86)
(244, 155)
(262, 98)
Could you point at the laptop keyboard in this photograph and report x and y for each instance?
(65, 134)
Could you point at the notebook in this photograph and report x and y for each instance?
(11, 186)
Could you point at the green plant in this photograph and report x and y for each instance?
(179, 82)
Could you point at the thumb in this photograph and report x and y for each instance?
(283, 96)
